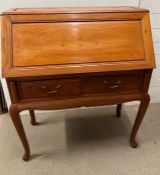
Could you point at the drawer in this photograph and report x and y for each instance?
(124, 83)
(48, 88)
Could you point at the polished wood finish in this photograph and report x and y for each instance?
(35, 40)
(20, 130)
(56, 88)
(141, 112)
(30, 11)
(74, 57)
(119, 109)
(107, 44)
(33, 118)
(114, 84)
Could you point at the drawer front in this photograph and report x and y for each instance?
(118, 84)
(38, 89)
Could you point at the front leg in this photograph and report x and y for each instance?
(141, 112)
(14, 112)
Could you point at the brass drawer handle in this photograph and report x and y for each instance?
(113, 87)
(117, 84)
(45, 89)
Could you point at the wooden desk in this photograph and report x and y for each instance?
(72, 57)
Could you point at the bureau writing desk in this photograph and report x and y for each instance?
(60, 58)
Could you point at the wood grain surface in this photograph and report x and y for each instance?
(85, 42)
(76, 42)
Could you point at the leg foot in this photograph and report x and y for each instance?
(26, 156)
(14, 112)
(133, 144)
(141, 112)
(33, 118)
(119, 109)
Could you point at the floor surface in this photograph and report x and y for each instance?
(89, 141)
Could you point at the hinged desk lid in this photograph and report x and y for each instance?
(75, 40)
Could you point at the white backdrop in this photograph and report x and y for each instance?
(4, 4)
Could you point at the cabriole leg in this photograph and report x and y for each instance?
(33, 118)
(14, 112)
(119, 109)
(141, 112)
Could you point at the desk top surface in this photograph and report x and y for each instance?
(125, 9)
